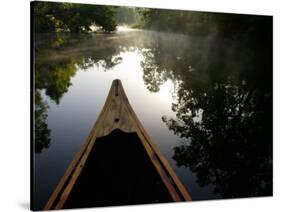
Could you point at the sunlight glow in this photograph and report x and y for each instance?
(166, 91)
(124, 28)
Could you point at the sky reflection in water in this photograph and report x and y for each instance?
(191, 102)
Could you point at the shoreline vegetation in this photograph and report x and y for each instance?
(82, 18)
(220, 65)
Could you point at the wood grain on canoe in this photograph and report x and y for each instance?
(117, 113)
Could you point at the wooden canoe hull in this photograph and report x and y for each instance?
(117, 114)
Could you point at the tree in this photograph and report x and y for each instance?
(42, 132)
(223, 108)
(51, 16)
(126, 15)
(54, 75)
(235, 26)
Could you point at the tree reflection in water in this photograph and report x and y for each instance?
(230, 146)
(58, 57)
(223, 101)
(223, 110)
(42, 133)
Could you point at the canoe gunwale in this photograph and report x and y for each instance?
(167, 174)
(74, 164)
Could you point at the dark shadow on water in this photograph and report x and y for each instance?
(223, 107)
(224, 97)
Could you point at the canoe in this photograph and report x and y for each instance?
(118, 164)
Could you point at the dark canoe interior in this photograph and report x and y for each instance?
(118, 171)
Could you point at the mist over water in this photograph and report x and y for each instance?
(206, 102)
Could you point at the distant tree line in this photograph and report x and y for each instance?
(198, 23)
(127, 15)
(53, 17)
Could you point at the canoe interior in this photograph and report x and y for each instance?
(118, 171)
(118, 164)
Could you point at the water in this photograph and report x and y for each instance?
(206, 102)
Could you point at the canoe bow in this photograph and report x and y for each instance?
(117, 113)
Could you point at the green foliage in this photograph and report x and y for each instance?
(43, 19)
(201, 23)
(223, 87)
(50, 17)
(223, 106)
(55, 78)
(56, 62)
(231, 146)
(176, 20)
(127, 15)
(42, 132)
(53, 75)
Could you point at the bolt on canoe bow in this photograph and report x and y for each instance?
(118, 164)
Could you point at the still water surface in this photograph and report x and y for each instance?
(206, 102)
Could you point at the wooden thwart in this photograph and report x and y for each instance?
(117, 114)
